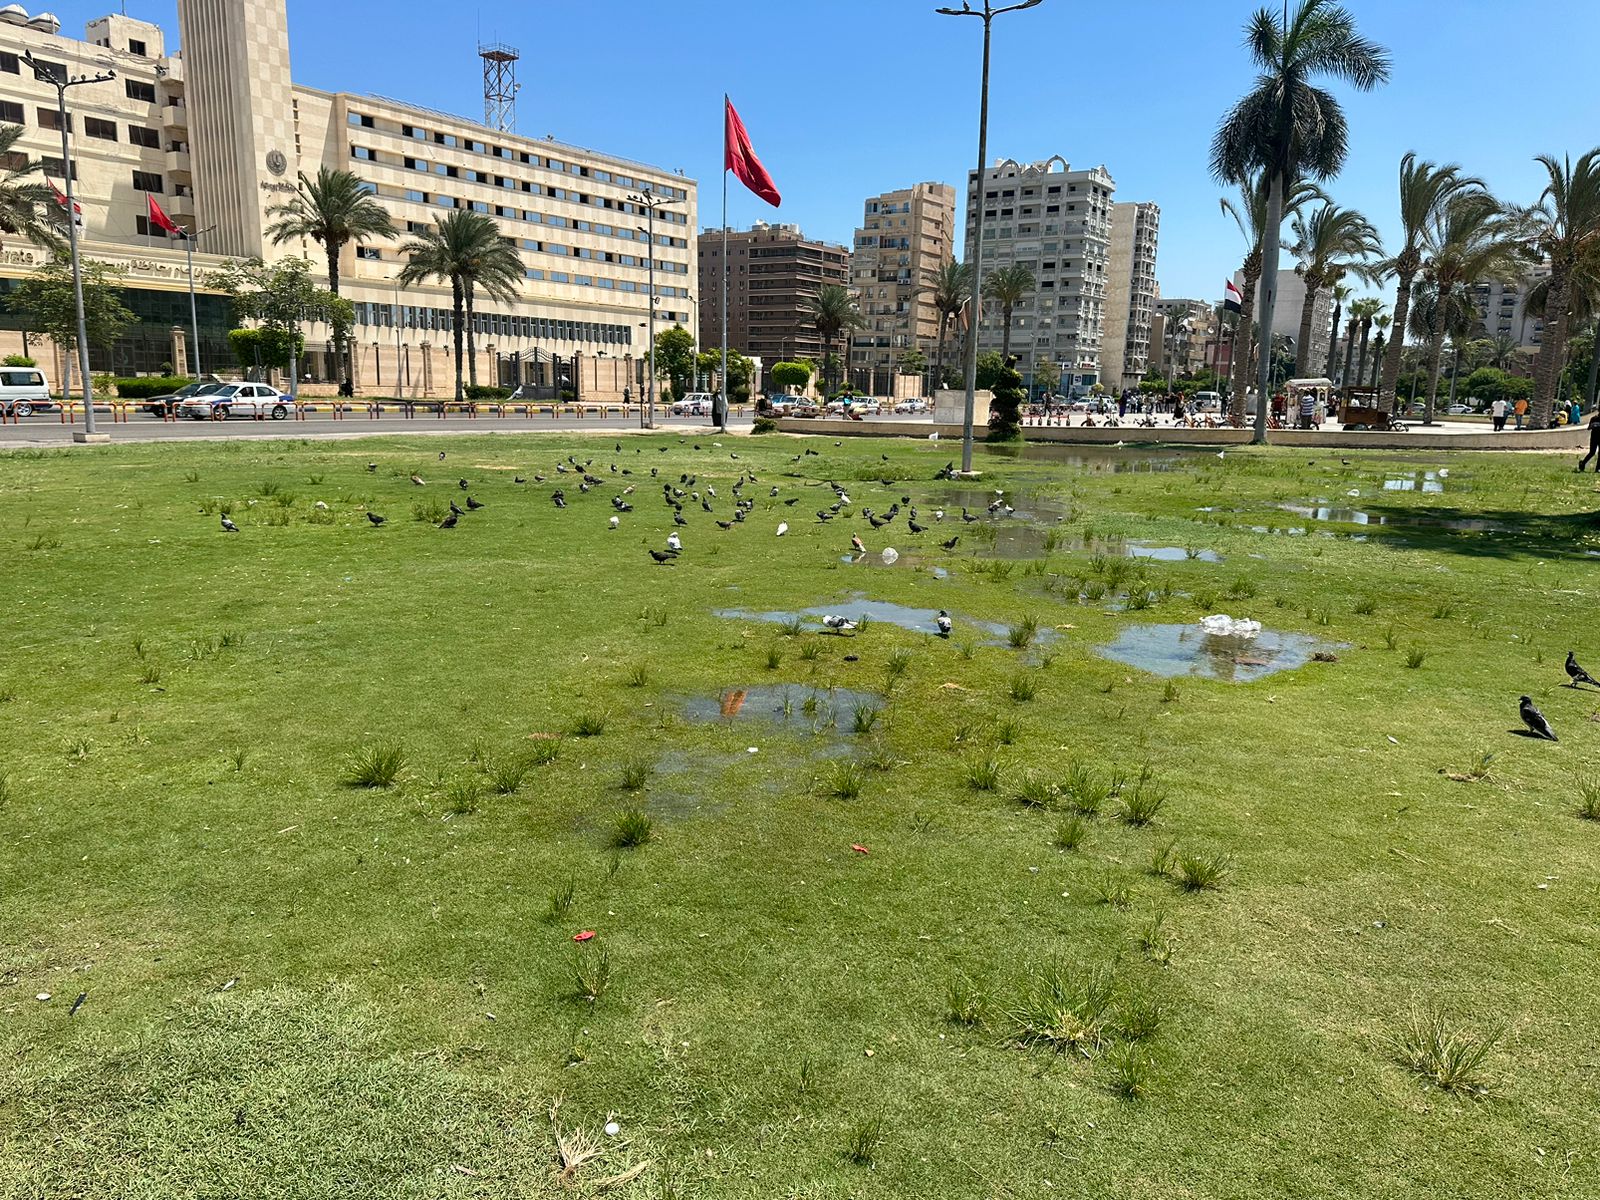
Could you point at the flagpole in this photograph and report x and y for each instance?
(194, 311)
(722, 422)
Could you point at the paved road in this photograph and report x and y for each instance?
(47, 429)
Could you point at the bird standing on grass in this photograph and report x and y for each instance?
(951, 544)
(455, 509)
(839, 625)
(661, 556)
(474, 505)
(674, 542)
(418, 480)
(227, 525)
(450, 521)
(1577, 674)
(1534, 720)
(943, 622)
(376, 519)
(856, 544)
(615, 521)
(783, 528)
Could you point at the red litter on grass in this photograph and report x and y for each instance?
(859, 848)
(583, 935)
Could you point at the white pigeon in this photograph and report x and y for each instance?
(938, 514)
(838, 624)
(934, 436)
(1444, 472)
(943, 622)
(1353, 493)
(783, 528)
(323, 507)
(615, 521)
(844, 498)
(674, 542)
(712, 492)
(1221, 453)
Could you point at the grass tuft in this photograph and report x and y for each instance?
(845, 781)
(151, 673)
(462, 797)
(1005, 731)
(1085, 789)
(545, 751)
(1129, 1072)
(983, 774)
(1416, 656)
(377, 765)
(866, 718)
(1024, 687)
(1021, 635)
(861, 1145)
(1201, 872)
(638, 675)
(635, 774)
(1589, 799)
(561, 898)
(1154, 942)
(1063, 1010)
(965, 1001)
(632, 828)
(589, 724)
(1449, 1058)
(591, 973)
(774, 658)
(507, 775)
(1071, 831)
(1140, 806)
(1035, 791)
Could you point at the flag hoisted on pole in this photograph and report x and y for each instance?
(163, 222)
(738, 156)
(1232, 301)
(61, 199)
(160, 220)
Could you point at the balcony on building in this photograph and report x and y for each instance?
(175, 116)
(178, 165)
(180, 205)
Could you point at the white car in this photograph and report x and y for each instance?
(239, 400)
(866, 405)
(912, 406)
(23, 391)
(695, 404)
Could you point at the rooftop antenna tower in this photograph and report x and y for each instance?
(499, 85)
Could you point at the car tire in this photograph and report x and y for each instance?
(219, 413)
(22, 409)
(279, 412)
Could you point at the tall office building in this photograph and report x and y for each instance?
(1057, 222)
(1287, 311)
(906, 236)
(219, 134)
(1130, 294)
(775, 270)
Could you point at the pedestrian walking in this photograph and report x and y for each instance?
(1594, 444)
(1498, 411)
(1521, 411)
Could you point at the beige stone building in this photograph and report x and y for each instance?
(219, 134)
(773, 271)
(1130, 294)
(906, 236)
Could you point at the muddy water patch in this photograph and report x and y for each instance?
(919, 620)
(1178, 651)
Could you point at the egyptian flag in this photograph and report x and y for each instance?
(161, 221)
(1232, 301)
(61, 199)
(740, 158)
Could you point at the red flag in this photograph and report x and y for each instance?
(61, 199)
(161, 221)
(740, 158)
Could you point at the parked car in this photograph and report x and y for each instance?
(157, 406)
(24, 391)
(1207, 401)
(695, 404)
(866, 406)
(238, 399)
(1460, 410)
(912, 406)
(806, 408)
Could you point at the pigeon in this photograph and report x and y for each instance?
(724, 524)
(791, 502)
(474, 504)
(463, 484)
(456, 510)
(856, 544)
(674, 542)
(1534, 720)
(783, 528)
(228, 526)
(441, 456)
(677, 519)
(418, 480)
(539, 478)
(615, 521)
(320, 506)
(840, 625)
(878, 522)
(938, 514)
(559, 498)
(449, 522)
(943, 622)
(967, 517)
(371, 467)
(951, 544)
(1577, 674)
(915, 528)
(376, 519)
(661, 556)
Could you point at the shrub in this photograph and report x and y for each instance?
(151, 385)
(764, 425)
(1071, 831)
(1448, 1058)
(632, 828)
(20, 360)
(483, 391)
(375, 766)
(1201, 872)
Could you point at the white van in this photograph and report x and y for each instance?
(23, 391)
(1208, 401)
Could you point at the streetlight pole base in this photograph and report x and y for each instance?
(91, 439)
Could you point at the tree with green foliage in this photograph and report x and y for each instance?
(27, 206)
(912, 362)
(260, 349)
(1008, 287)
(1287, 128)
(467, 251)
(336, 209)
(282, 296)
(675, 360)
(1565, 229)
(990, 368)
(951, 290)
(740, 370)
(1005, 406)
(788, 375)
(1330, 242)
(833, 312)
(45, 300)
(1046, 375)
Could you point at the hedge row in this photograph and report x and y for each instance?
(154, 385)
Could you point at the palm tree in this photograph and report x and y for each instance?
(1331, 241)
(1471, 239)
(1008, 287)
(1340, 295)
(833, 311)
(1250, 215)
(335, 209)
(1381, 323)
(24, 203)
(453, 252)
(496, 267)
(1565, 225)
(1583, 306)
(1425, 191)
(1287, 128)
(1503, 350)
(1362, 313)
(1352, 323)
(951, 290)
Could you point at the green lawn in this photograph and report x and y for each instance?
(301, 988)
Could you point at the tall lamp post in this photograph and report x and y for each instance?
(56, 76)
(649, 201)
(975, 302)
(194, 311)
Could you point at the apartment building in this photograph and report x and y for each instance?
(1057, 222)
(1130, 294)
(219, 134)
(1288, 309)
(1179, 332)
(906, 236)
(773, 270)
(1502, 309)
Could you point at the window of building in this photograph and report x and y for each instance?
(369, 252)
(418, 227)
(139, 135)
(411, 131)
(416, 197)
(10, 63)
(138, 90)
(50, 118)
(363, 152)
(148, 181)
(558, 277)
(476, 147)
(49, 164)
(136, 47)
(445, 139)
(11, 112)
(94, 127)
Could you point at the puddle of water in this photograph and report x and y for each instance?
(1170, 553)
(1094, 460)
(1347, 516)
(919, 620)
(1418, 519)
(1428, 481)
(1173, 651)
(797, 706)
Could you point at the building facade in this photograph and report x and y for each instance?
(773, 270)
(906, 236)
(1288, 310)
(1502, 309)
(1130, 294)
(1180, 331)
(1057, 222)
(219, 135)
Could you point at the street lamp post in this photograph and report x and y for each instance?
(650, 202)
(56, 75)
(194, 311)
(975, 301)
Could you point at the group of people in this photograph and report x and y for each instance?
(1504, 410)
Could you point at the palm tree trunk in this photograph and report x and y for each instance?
(338, 342)
(458, 309)
(1333, 338)
(1594, 369)
(938, 379)
(1349, 350)
(1269, 298)
(1302, 352)
(1005, 337)
(1435, 356)
(1553, 352)
(1239, 363)
(472, 339)
(1455, 371)
(1361, 364)
(1391, 361)
(1377, 354)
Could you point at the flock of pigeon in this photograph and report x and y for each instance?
(1535, 720)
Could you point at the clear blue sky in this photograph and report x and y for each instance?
(846, 98)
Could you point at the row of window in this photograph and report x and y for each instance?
(12, 113)
(506, 212)
(526, 158)
(408, 316)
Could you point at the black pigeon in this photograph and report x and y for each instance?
(1577, 674)
(967, 517)
(792, 502)
(519, 479)
(474, 504)
(463, 484)
(706, 504)
(724, 524)
(376, 519)
(619, 447)
(449, 522)
(677, 519)
(228, 526)
(455, 509)
(661, 556)
(876, 521)
(915, 528)
(371, 467)
(538, 478)
(1534, 720)
(441, 456)
(559, 498)
(951, 544)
